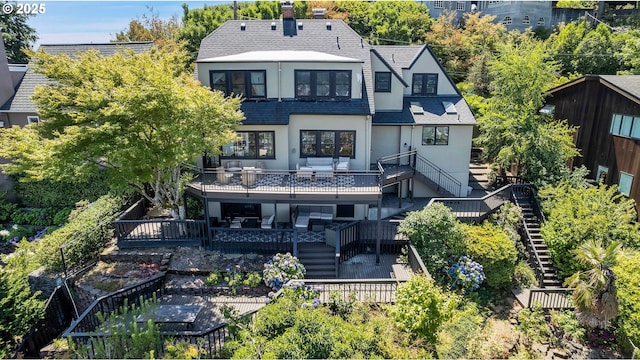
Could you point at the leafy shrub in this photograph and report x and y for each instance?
(457, 332)
(181, 350)
(340, 306)
(497, 254)
(509, 219)
(466, 274)
(579, 214)
(81, 237)
(19, 310)
(493, 341)
(6, 207)
(601, 338)
(213, 279)
(627, 272)
(40, 217)
(282, 268)
(54, 194)
(533, 325)
(253, 279)
(422, 307)
(567, 323)
(523, 276)
(437, 235)
(234, 277)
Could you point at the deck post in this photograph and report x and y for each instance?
(379, 230)
(207, 224)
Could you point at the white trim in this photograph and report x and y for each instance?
(33, 119)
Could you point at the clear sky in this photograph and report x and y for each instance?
(72, 22)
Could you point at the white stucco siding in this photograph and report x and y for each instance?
(386, 100)
(360, 124)
(426, 64)
(385, 140)
(280, 77)
(452, 158)
(281, 162)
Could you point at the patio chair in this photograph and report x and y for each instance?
(303, 172)
(267, 222)
(222, 176)
(233, 165)
(343, 163)
(248, 176)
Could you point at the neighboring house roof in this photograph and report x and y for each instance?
(626, 85)
(428, 111)
(275, 112)
(314, 35)
(21, 101)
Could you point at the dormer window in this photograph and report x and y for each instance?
(33, 119)
(323, 84)
(424, 84)
(249, 83)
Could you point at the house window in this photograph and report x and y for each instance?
(601, 174)
(624, 183)
(526, 20)
(625, 125)
(323, 84)
(435, 135)
(345, 211)
(438, 4)
(507, 20)
(541, 21)
(248, 83)
(383, 82)
(33, 119)
(327, 143)
(460, 5)
(251, 145)
(424, 84)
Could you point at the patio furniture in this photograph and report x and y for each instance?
(233, 165)
(320, 163)
(343, 163)
(249, 176)
(173, 314)
(260, 166)
(222, 176)
(303, 172)
(267, 222)
(236, 223)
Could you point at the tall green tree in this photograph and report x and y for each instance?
(596, 53)
(16, 34)
(594, 290)
(150, 27)
(512, 129)
(394, 22)
(141, 117)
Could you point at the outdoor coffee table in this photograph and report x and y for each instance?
(173, 314)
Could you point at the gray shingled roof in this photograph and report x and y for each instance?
(628, 83)
(21, 101)
(434, 112)
(399, 57)
(341, 40)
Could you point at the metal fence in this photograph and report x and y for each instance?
(154, 233)
(476, 209)
(263, 241)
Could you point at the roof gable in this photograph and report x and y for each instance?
(625, 85)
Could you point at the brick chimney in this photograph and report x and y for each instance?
(287, 9)
(6, 83)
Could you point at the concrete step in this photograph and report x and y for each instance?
(320, 275)
(320, 267)
(317, 261)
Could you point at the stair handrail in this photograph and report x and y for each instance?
(530, 246)
(455, 183)
(451, 184)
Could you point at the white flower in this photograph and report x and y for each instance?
(4, 232)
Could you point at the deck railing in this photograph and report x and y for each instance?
(289, 182)
(476, 209)
(264, 241)
(160, 232)
(415, 261)
(365, 290)
(551, 298)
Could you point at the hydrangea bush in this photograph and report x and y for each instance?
(465, 274)
(282, 268)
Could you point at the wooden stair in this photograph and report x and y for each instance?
(318, 259)
(532, 224)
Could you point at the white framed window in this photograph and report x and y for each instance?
(33, 119)
(460, 5)
(526, 20)
(625, 181)
(438, 4)
(507, 21)
(1, 124)
(541, 21)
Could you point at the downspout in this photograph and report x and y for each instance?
(279, 81)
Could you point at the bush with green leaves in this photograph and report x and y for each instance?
(58, 194)
(422, 307)
(534, 326)
(627, 272)
(567, 324)
(280, 269)
(493, 249)
(457, 332)
(523, 276)
(81, 238)
(576, 215)
(509, 218)
(213, 279)
(19, 310)
(40, 217)
(6, 207)
(437, 235)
